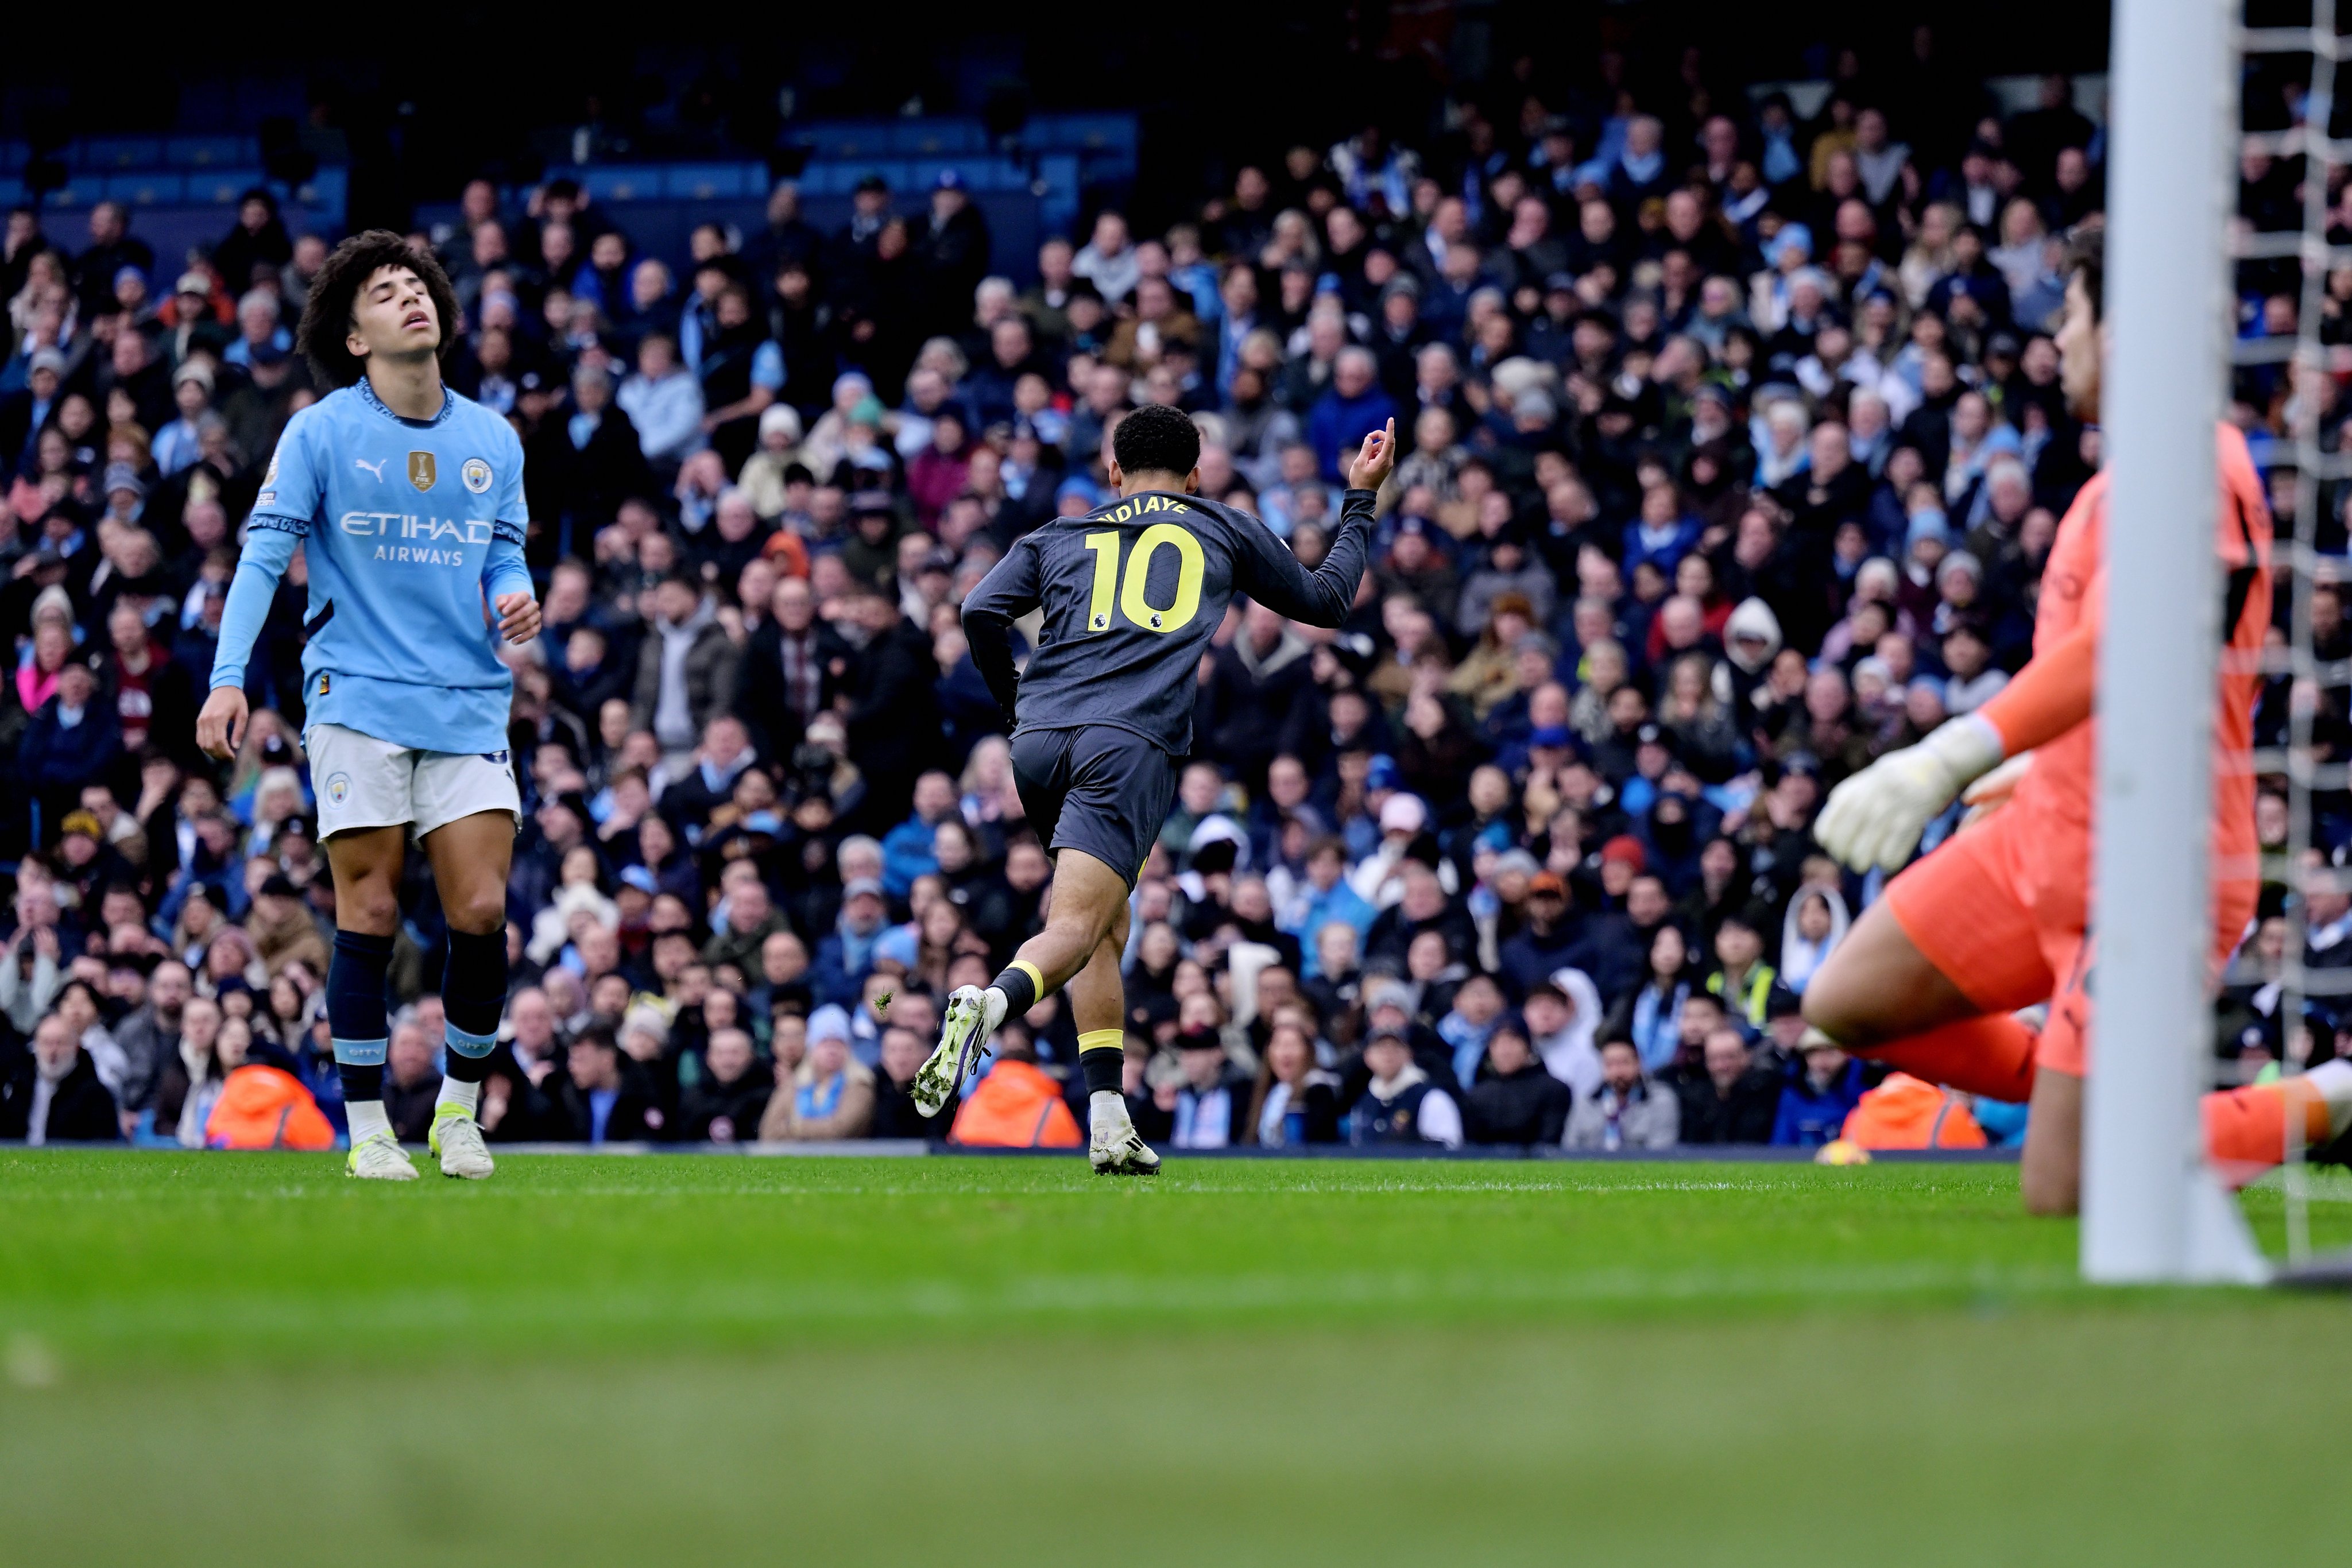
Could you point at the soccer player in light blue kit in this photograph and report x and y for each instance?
(407, 501)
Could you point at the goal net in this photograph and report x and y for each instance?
(2228, 294)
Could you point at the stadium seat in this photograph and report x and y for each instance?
(621, 184)
(106, 153)
(222, 187)
(80, 191)
(208, 152)
(712, 181)
(937, 137)
(1082, 132)
(327, 191)
(149, 189)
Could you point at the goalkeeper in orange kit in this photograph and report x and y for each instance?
(1997, 919)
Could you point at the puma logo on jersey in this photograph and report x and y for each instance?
(375, 467)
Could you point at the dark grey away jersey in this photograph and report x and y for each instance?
(1133, 591)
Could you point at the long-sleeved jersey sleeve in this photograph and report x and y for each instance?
(292, 491)
(267, 552)
(1009, 591)
(504, 570)
(1270, 574)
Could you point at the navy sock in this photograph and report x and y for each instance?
(1102, 1056)
(473, 993)
(1020, 988)
(355, 1012)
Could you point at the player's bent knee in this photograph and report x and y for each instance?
(1834, 1005)
(476, 913)
(367, 903)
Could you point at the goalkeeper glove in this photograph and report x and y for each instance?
(1876, 817)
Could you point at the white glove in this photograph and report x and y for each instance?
(1876, 817)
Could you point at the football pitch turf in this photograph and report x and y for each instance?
(671, 1359)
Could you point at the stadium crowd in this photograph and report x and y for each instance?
(1735, 449)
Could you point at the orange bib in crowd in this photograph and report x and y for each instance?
(1017, 1107)
(262, 1108)
(1907, 1112)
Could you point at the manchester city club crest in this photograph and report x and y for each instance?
(338, 788)
(422, 470)
(477, 474)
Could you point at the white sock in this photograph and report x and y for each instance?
(2333, 1082)
(997, 1003)
(466, 1097)
(1107, 1109)
(367, 1118)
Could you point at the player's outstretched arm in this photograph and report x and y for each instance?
(1876, 817)
(2050, 696)
(220, 727)
(1323, 597)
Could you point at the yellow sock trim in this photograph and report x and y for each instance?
(1102, 1040)
(1037, 975)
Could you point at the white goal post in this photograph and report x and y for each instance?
(2151, 1210)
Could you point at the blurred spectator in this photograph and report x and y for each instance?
(606, 1096)
(1515, 1099)
(1730, 1099)
(53, 1094)
(1817, 1099)
(1017, 1105)
(1213, 1101)
(831, 1094)
(1294, 1102)
(1401, 1103)
(729, 1098)
(1629, 1110)
(664, 402)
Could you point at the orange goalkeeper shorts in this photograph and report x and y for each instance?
(1964, 907)
(1969, 907)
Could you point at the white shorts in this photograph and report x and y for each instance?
(364, 782)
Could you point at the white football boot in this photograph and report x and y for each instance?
(1115, 1148)
(972, 1015)
(379, 1157)
(457, 1142)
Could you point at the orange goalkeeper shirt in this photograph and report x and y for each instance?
(2059, 792)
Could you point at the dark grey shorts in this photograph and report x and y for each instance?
(1101, 790)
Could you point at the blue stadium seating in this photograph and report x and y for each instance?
(149, 189)
(221, 187)
(105, 153)
(79, 191)
(1057, 156)
(714, 181)
(206, 151)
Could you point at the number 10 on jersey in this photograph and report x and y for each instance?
(1192, 566)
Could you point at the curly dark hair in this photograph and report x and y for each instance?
(2086, 253)
(1155, 439)
(327, 314)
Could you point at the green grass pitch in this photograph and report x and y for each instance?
(248, 1359)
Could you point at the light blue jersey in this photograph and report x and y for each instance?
(412, 529)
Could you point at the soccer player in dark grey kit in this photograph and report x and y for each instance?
(1131, 592)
